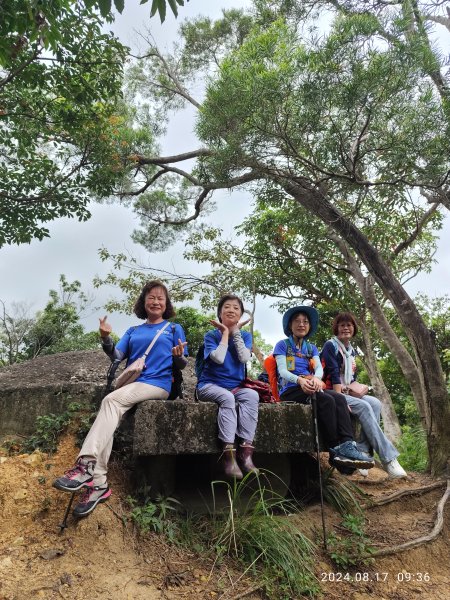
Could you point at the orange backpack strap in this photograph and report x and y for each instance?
(270, 365)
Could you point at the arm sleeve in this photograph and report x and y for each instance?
(282, 369)
(180, 362)
(331, 363)
(318, 370)
(110, 349)
(218, 355)
(243, 344)
(214, 349)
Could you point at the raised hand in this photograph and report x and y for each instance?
(104, 328)
(239, 325)
(178, 350)
(220, 326)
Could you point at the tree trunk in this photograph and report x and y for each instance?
(434, 406)
(391, 425)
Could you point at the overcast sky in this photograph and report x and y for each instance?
(27, 272)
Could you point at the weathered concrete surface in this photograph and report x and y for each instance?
(48, 384)
(19, 408)
(179, 427)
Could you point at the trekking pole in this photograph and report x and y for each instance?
(63, 524)
(316, 435)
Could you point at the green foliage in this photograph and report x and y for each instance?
(353, 548)
(413, 448)
(157, 516)
(195, 325)
(57, 327)
(60, 89)
(251, 531)
(49, 429)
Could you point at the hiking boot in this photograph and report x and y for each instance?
(230, 467)
(244, 458)
(394, 469)
(89, 500)
(79, 476)
(348, 455)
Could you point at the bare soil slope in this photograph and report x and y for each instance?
(103, 557)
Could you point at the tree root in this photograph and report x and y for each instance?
(408, 492)
(438, 525)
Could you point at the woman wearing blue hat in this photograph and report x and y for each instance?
(300, 371)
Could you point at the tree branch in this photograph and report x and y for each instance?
(161, 160)
(419, 227)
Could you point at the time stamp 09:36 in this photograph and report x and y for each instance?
(365, 576)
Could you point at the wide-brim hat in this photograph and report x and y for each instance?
(310, 311)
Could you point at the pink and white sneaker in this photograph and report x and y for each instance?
(89, 500)
(79, 476)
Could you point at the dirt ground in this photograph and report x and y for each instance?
(103, 557)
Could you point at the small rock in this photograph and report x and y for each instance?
(3, 459)
(20, 495)
(5, 563)
(51, 553)
(34, 459)
(19, 541)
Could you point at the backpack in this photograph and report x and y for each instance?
(176, 389)
(270, 365)
(200, 361)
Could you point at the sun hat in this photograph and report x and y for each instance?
(311, 313)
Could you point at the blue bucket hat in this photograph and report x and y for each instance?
(310, 312)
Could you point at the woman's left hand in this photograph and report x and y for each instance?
(179, 349)
(239, 325)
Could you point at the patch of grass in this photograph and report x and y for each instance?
(353, 548)
(254, 530)
(343, 495)
(413, 449)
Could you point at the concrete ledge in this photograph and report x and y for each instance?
(179, 427)
(19, 408)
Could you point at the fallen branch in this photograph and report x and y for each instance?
(408, 492)
(423, 539)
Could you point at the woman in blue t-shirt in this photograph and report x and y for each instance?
(226, 351)
(154, 383)
(300, 371)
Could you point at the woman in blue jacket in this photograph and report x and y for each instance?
(338, 360)
(300, 371)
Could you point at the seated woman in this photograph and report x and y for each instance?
(153, 383)
(338, 360)
(226, 351)
(300, 371)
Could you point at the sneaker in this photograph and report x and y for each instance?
(347, 454)
(79, 476)
(343, 469)
(89, 500)
(394, 469)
